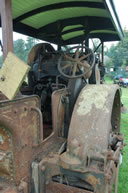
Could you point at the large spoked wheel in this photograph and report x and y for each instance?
(77, 65)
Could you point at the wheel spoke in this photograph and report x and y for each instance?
(66, 66)
(81, 64)
(77, 53)
(74, 69)
(69, 58)
(78, 63)
(84, 56)
(85, 64)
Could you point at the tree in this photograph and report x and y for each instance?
(19, 49)
(119, 53)
(22, 48)
(30, 43)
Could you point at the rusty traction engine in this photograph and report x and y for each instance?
(62, 134)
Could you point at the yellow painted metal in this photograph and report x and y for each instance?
(12, 75)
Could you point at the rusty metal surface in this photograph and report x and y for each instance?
(20, 136)
(54, 187)
(94, 125)
(58, 109)
(20, 142)
(23, 149)
(7, 188)
(91, 152)
(91, 121)
(21, 127)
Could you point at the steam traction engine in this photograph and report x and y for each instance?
(61, 132)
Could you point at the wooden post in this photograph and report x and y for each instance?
(7, 29)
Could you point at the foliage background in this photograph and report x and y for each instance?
(118, 54)
(22, 48)
(123, 173)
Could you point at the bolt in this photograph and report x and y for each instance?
(75, 143)
(108, 175)
(20, 188)
(25, 109)
(2, 78)
(11, 178)
(15, 111)
(43, 168)
(47, 182)
(11, 166)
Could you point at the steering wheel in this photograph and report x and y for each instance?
(78, 65)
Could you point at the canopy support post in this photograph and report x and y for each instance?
(86, 32)
(7, 27)
(103, 53)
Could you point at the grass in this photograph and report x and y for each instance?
(123, 172)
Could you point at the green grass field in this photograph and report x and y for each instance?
(123, 172)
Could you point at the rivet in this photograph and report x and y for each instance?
(43, 168)
(47, 182)
(2, 78)
(15, 111)
(25, 109)
(11, 167)
(11, 178)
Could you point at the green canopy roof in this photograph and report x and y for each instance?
(66, 21)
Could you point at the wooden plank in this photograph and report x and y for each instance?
(7, 28)
(12, 75)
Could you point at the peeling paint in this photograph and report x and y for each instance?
(93, 180)
(98, 100)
